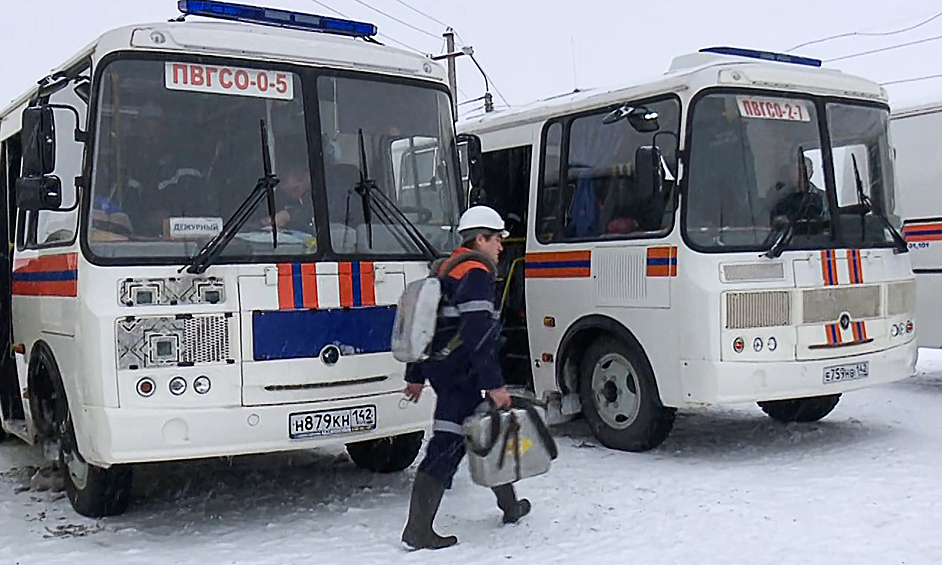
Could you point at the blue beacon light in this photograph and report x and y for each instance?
(765, 55)
(275, 17)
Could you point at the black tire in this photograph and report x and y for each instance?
(93, 491)
(809, 409)
(388, 454)
(647, 422)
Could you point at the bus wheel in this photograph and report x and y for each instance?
(93, 491)
(619, 397)
(800, 409)
(387, 454)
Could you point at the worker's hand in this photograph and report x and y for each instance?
(500, 397)
(413, 391)
(281, 219)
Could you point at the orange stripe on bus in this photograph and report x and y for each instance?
(309, 285)
(367, 284)
(285, 287)
(345, 277)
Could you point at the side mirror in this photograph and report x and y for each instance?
(39, 141)
(39, 193)
(648, 170)
(640, 118)
(469, 153)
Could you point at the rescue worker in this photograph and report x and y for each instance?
(469, 324)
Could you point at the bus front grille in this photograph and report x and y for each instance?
(825, 305)
(757, 309)
(182, 340)
(900, 298)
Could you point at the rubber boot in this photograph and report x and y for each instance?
(427, 494)
(507, 501)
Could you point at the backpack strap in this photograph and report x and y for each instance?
(444, 269)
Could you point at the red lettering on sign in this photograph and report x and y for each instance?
(262, 82)
(241, 80)
(210, 71)
(179, 69)
(196, 75)
(281, 82)
(225, 83)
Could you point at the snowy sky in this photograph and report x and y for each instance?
(533, 49)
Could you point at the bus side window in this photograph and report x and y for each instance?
(551, 195)
(599, 194)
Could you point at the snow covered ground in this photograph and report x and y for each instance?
(863, 486)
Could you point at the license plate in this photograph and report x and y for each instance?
(331, 422)
(848, 372)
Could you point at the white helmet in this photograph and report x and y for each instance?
(480, 219)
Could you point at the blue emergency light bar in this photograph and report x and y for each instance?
(275, 17)
(764, 55)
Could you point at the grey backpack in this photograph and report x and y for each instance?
(418, 308)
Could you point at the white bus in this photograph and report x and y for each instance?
(725, 233)
(918, 168)
(151, 310)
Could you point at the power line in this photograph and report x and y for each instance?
(866, 34)
(914, 79)
(470, 100)
(394, 18)
(383, 35)
(487, 80)
(436, 20)
(880, 50)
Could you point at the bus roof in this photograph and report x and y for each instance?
(692, 73)
(247, 41)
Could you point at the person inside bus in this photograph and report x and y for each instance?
(803, 200)
(294, 201)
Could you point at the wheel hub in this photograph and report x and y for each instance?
(615, 384)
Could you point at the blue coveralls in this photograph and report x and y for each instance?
(469, 308)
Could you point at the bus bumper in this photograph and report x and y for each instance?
(721, 382)
(138, 436)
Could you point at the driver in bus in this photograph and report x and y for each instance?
(294, 201)
(803, 200)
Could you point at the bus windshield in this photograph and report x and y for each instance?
(757, 166)
(178, 149)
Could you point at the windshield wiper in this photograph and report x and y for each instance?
(776, 248)
(264, 189)
(384, 206)
(865, 205)
(365, 188)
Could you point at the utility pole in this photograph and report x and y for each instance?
(452, 75)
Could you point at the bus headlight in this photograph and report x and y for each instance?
(201, 385)
(177, 386)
